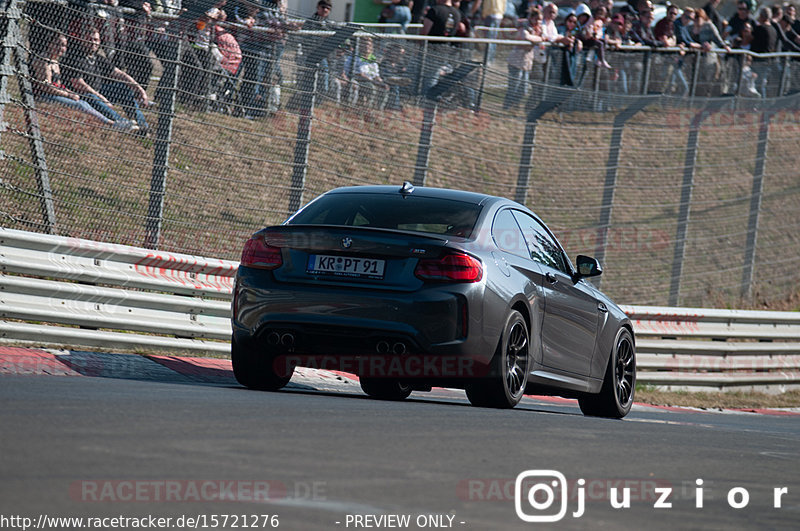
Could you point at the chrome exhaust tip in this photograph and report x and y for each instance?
(273, 338)
(287, 340)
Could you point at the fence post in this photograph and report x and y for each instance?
(8, 12)
(12, 45)
(695, 74)
(432, 96)
(612, 172)
(307, 89)
(425, 139)
(784, 77)
(484, 66)
(648, 56)
(529, 140)
(689, 165)
(755, 205)
(420, 77)
(165, 95)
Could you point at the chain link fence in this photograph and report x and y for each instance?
(688, 193)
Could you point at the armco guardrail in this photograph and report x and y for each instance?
(111, 296)
(68, 291)
(716, 349)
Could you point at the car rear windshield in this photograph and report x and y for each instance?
(418, 214)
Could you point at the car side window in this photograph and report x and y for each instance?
(543, 248)
(507, 235)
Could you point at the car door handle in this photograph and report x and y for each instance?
(551, 278)
(602, 307)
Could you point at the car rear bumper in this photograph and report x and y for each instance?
(315, 321)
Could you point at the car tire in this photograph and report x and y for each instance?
(619, 384)
(385, 388)
(508, 373)
(255, 369)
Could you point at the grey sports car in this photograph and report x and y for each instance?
(415, 287)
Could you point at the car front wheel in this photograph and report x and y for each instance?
(616, 396)
(509, 370)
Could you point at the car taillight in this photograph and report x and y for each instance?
(257, 253)
(450, 268)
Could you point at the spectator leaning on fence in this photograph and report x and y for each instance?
(683, 31)
(642, 32)
(89, 73)
(569, 67)
(705, 33)
(522, 58)
(319, 21)
(48, 86)
(710, 9)
(765, 36)
(278, 25)
(765, 40)
(196, 59)
(664, 30)
(743, 41)
(442, 20)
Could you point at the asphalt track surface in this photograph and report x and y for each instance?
(171, 438)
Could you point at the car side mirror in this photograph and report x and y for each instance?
(588, 267)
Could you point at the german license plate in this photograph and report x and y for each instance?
(346, 266)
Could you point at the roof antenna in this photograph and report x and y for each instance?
(406, 189)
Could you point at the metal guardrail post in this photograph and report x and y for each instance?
(165, 95)
(612, 171)
(755, 205)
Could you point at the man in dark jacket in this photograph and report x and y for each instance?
(441, 20)
(738, 20)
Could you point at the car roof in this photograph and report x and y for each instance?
(423, 191)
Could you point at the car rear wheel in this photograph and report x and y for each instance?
(616, 396)
(256, 369)
(509, 370)
(385, 388)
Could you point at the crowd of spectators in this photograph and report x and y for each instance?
(235, 49)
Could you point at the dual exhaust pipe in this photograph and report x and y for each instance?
(286, 339)
(383, 347)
